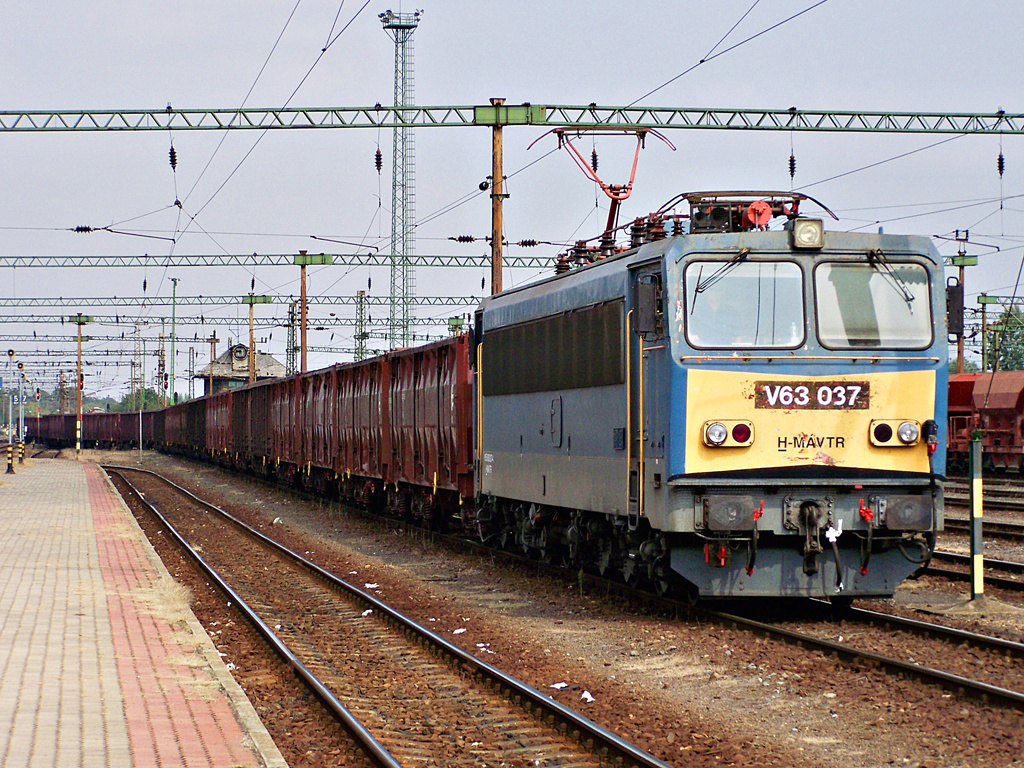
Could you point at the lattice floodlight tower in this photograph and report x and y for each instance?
(400, 26)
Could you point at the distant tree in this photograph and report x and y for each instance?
(969, 367)
(150, 400)
(1005, 341)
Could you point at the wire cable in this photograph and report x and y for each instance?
(712, 57)
(883, 162)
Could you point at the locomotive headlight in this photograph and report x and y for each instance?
(895, 433)
(908, 432)
(728, 434)
(808, 233)
(715, 433)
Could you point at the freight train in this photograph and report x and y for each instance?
(721, 409)
(988, 407)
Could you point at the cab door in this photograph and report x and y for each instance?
(644, 336)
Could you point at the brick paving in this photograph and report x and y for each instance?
(101, 661)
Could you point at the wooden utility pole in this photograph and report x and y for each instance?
(79, 320)
(213, 357)
(252, 300)
(497, 198)
(302, 318)
(252, 341)
(304, 259)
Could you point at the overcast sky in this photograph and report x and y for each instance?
(900, 55)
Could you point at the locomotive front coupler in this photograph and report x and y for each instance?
(811, 517)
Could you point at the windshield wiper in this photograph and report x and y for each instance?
(876, 258)
(718, 274)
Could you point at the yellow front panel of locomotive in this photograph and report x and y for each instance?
(806, 420)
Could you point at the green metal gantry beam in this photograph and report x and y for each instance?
(262, 259)
(315, 323)
(548, 116)
(230, 301)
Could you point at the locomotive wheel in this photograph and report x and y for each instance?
(510, 538)
(633, 573)
(664, 580)
(552, 552)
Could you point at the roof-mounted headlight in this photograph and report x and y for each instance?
(808, 233)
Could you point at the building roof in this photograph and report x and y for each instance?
(234, 365)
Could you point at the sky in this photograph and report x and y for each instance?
(245, 192)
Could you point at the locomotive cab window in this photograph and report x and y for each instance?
(738, 304)
(874, 305)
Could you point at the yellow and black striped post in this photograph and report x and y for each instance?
(21, 452)
(10, 459)
(977, 542)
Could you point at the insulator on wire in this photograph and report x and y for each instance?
(593, 159)
(378, 160)
(252, 284)
(86, 228)
(173, 155)
(1000, 164)
(527, 243)
(143, 285)
(463, 239)
(482, 283)
(792, 166)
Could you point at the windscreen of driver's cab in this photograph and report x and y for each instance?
(874, 305)
(735, 304)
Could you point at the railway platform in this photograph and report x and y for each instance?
(102, 663)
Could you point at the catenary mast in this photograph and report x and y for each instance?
(400, 26)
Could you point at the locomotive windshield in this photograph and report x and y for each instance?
(742, 303)
(875, 305)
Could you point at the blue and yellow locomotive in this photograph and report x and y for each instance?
(721, 407)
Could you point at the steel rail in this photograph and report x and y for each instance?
(1011, 585)
(993, 581)
(989, 527)
(618, 748)
(928, 629)
(1000, 565)
(1002, 501)
(927, 674)
(373, 748)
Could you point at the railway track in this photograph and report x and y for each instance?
(999, 493)
(405, 693)
(990, 670)
(991, 564)
(993, 674)
(993, 528)
(54, 451)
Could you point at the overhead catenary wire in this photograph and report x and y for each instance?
(712, 56)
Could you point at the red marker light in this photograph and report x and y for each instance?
(741, 433)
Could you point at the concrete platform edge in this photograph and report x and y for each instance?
(249, 719)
